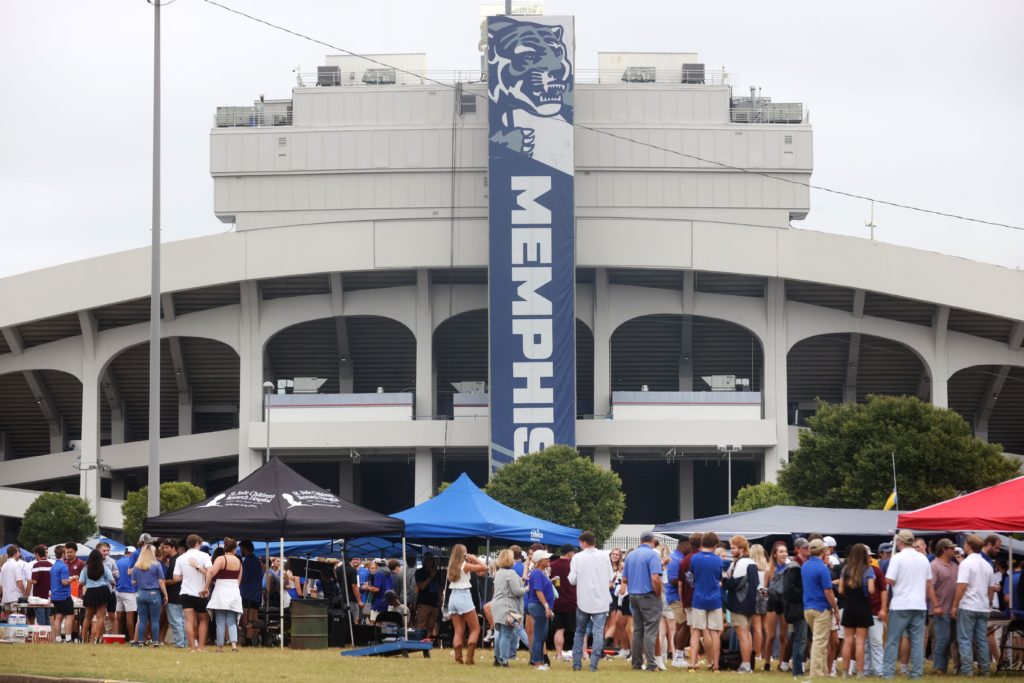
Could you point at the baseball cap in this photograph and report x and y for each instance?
(539, 555)
(885, 547)
(144, 539)
(816, 546)
(905, 535)
(800, 543)
(829, 541)
(647, 536)
(129, 549)
(958, 550)
(942, 544)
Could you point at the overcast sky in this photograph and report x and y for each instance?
(916, 102)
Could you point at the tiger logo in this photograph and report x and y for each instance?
(530, 80)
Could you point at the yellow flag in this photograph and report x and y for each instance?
(891, 503)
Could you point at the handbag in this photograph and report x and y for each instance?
(513, 619)
(446, 613)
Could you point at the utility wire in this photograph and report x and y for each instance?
(822, 188)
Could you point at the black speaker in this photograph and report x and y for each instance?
(337, 628)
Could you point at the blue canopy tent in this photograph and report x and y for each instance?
(25, 554)
(463, 510)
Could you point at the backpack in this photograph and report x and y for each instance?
(775, 586)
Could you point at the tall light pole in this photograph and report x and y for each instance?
(267, 388)
(729, 449)
(153, 499)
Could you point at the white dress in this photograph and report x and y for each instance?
(226, 595)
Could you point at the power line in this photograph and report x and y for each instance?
(792, 181)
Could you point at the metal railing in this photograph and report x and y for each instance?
(251, 117)
(311, 79)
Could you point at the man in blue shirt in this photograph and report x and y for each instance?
(60, 596)
(125, 594)
(820, 607)
(642, 576)
(674, 600)
(706, 619)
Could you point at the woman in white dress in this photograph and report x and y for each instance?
(226, 600)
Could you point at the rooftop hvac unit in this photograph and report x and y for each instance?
(308, 385)
(639, 74)
(379, 76)
(470, 387)
(467, 103)
(721, 382)
(785, 112)
(693, 73)
(328, 75)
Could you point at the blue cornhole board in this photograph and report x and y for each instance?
(399, 647)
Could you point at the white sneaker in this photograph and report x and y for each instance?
(489, 636)
(784, 666)
(624, 654)
(744, 669)
(542, 667)
(680, 663)
(566, 655)
(660, 663)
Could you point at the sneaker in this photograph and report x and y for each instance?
(744, 669)
(660, 663)
(566, 655)
(542, 667)
(624, 654)
(680, 663)
(489, 636)
(783, 666)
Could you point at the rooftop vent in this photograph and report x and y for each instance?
(379, 76)
(328, 75)
(693, 74)
(639, 74)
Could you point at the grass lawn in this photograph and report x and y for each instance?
(117, 662)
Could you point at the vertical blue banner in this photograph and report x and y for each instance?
(532, 235)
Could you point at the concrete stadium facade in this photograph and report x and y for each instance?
(359, 256)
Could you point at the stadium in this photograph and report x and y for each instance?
(347, 323)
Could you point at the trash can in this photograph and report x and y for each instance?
(309, 624)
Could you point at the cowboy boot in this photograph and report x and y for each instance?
(471, 653)
(458, 654)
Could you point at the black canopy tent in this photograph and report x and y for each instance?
(275, 503)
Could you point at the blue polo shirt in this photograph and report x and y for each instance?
(640, 565)
(58, 591)
(539, 581)
(672, 589)
(706, 568)
(124, 582)
(816, 579)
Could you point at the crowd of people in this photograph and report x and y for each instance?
(706, 603)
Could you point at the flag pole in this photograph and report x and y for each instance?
(896, 497)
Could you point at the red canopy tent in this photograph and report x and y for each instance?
(996, 508)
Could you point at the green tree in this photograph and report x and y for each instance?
(55, 518)
(763, 495)
(559, 485)
(174, 495)
(845, 458)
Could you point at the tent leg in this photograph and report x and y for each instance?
(348, 599)
(266, 611)
(1009, 544)
(405, 591)
(280, 585)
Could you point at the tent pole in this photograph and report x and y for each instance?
(348, 597)
(487, 557)
(280, 587)
(405, 590)
(266, 568)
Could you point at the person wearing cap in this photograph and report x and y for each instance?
(971, 607)
(820, 607)
(830, 551)
(540, 599)
(910, 576)
(125, 597)
(884, 555)
(944, 572)
(590, 572)
(958, 554)
(800, 551)
(641, 574)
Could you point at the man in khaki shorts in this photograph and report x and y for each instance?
(705, 618)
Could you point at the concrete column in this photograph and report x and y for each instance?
(425, 378)
(602, 344)
(89, 455)
(603, 457)
(686, 339)
(685, 489)
(184, 413)
(346, 480)
(117, 490)
(118, 428)
(940, 363)
(774, 388)
(5, 448)
(250, 378)
(423, 485)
